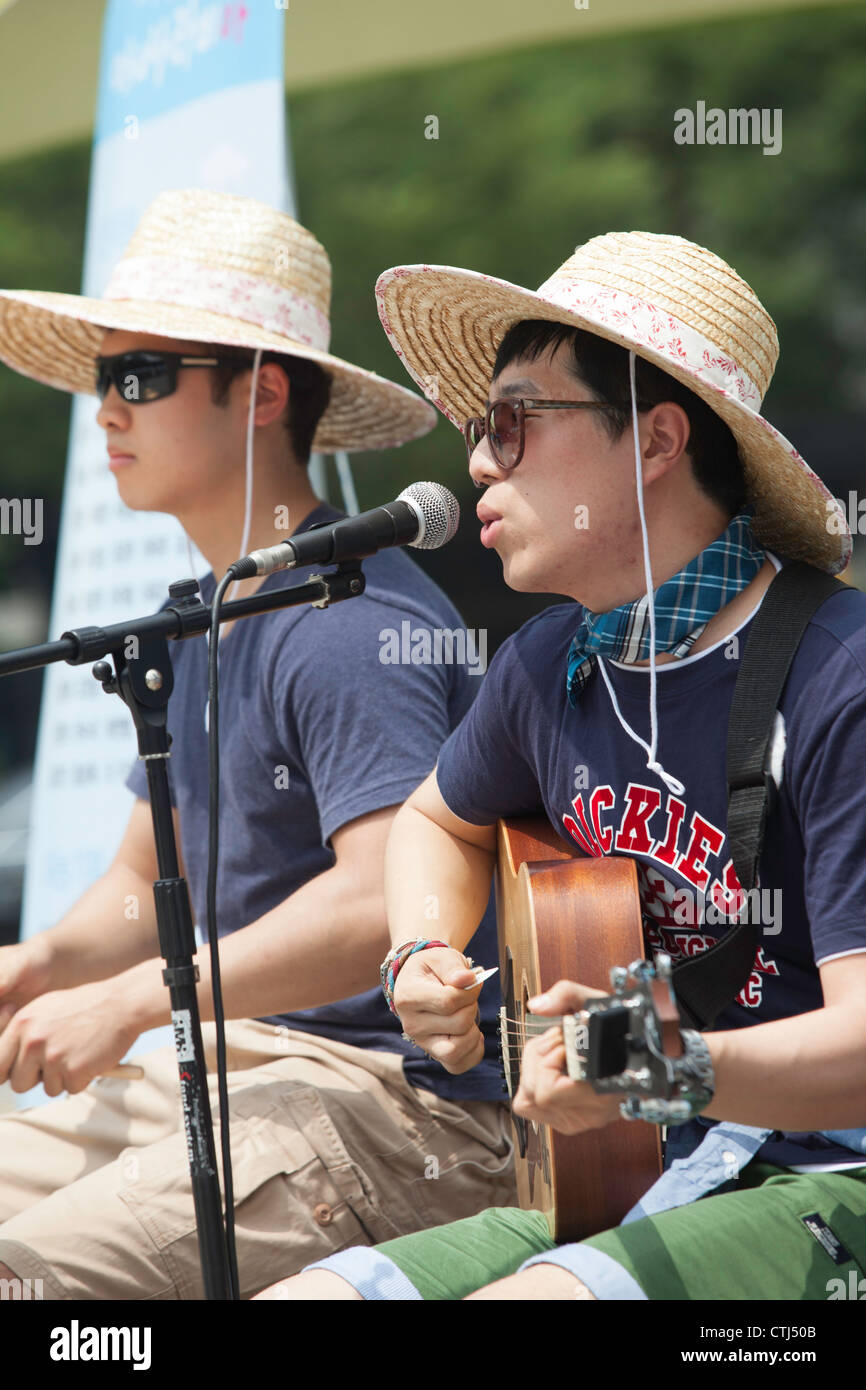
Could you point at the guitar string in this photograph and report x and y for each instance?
(522, 1033)
(537, 1020)
(519, 1030)
(531, 1032)
(538, 1024)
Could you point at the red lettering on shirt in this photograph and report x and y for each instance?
(580, 830)
(633, 837)
(667, 851)
(705, 839)
(666, 905)
(728, 895)
(752, 992)
(602, 797)
(679, 945)
(682, 945)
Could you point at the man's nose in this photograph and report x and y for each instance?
(483, 468)
(113, 410)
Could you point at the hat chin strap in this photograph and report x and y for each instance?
(248, 507)
(653, 764)
(248, 494)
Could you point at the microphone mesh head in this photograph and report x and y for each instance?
(439, 511)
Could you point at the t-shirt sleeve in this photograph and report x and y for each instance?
(829, 794)
(486, 769)
(366, 731)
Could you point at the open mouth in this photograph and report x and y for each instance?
(491, 521)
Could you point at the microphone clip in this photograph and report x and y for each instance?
(353, 582)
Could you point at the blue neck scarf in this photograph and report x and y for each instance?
(684, 604)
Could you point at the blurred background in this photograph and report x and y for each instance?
(544, 140)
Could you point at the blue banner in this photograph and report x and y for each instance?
(191, 96)
(159, 54)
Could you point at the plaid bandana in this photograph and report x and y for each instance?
(684, 605)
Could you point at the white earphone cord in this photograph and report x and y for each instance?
(248, 495)
(653, 764)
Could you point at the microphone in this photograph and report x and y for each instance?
(425, 516)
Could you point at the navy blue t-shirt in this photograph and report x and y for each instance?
(523, 749)
(320, 724)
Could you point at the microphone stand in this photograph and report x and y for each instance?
(142, 677)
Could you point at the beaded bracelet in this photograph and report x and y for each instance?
(392, 955)
(394, 962)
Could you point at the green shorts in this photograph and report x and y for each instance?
(780, 1235)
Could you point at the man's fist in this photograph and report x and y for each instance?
(65, 1038)
(547, 1093)
(436, 998)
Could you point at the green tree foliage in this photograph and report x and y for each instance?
(541, 150)
(43, 206)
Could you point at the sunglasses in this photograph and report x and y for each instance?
(504, 424)
(139, 377)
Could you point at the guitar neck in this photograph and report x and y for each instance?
(516, 1033)
(532, 1025)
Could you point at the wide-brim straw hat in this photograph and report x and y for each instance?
(676, 304)
(214, 268)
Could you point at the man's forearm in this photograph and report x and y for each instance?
(323, 943)
(111, 928)
(436, 885)
(801, 1073)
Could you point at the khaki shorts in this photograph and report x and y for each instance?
(331, 1147)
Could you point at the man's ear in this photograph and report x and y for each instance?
(272, 393)
(666, 430)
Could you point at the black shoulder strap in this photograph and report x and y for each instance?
(706, 983)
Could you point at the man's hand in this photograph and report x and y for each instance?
(25, 973)
(547, 1094)
(437, 1011)
(66, 1038)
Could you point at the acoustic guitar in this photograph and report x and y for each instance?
(562, 917)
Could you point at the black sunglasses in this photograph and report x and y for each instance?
(148, 376)
(504, 424)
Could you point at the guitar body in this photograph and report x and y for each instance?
(567, 918)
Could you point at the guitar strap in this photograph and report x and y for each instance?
(706, 983)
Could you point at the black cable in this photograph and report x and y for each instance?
(213, 940)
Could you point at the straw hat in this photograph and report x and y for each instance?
(677, 305)
(214, 268)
